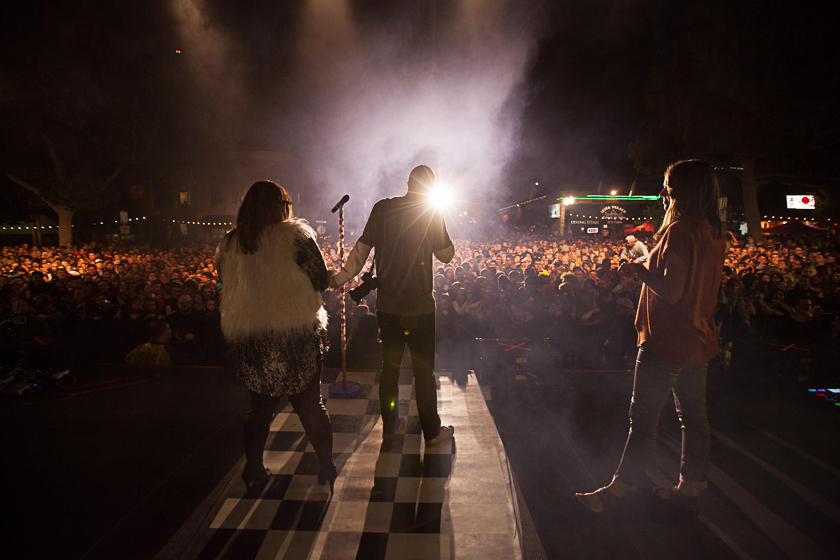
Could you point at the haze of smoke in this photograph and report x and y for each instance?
(385, 98)
(361, 98)
(215, 72)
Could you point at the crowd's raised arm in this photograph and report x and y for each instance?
(57, 304)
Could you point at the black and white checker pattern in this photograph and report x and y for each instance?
(393, 499)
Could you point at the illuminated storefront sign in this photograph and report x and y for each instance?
(801, 201)
(613, 212)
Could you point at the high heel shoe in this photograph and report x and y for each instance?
(328, 474)
(255, 480)
(609, 502)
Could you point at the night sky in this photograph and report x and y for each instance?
(497, 95)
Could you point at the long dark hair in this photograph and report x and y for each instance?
(266, 203)
(694, 191)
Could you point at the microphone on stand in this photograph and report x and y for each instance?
(341, 203)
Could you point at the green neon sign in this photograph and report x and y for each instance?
(620, 197)
(606, 197)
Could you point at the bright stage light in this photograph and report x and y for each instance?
(569, 200)
(440, 197)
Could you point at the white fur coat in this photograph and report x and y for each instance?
(266, 291)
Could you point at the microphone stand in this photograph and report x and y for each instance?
(343, 390)
(343, 260)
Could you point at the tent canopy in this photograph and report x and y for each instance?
(793, 227)
(643, 227)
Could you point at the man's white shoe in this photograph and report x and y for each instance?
(446, 432)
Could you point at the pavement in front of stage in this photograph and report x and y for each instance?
(115, 474)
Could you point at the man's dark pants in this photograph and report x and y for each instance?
(418, 331)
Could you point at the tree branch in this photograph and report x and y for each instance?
(114, 175)
(803, 184)
(770, 176)
(57, 164)
(806, 148)
(30, 188)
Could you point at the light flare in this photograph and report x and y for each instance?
(441, 197)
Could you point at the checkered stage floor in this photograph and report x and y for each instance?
(392, 500)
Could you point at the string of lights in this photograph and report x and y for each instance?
(616, 218)
(653, 217)
(132, 220)
(205, 223)
(28, 228)
(591, 217)
(521, 203)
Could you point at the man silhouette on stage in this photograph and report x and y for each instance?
(406, 232)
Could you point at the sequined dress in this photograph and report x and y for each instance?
(281, 364)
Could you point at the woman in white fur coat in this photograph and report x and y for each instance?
(272, 273)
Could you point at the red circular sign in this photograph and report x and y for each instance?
(805, 200)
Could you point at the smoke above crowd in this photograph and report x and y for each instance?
(358, 92)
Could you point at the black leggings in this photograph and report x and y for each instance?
(308, 406)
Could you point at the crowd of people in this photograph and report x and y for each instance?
(75, 304)
(776, 292)
(97, 302)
